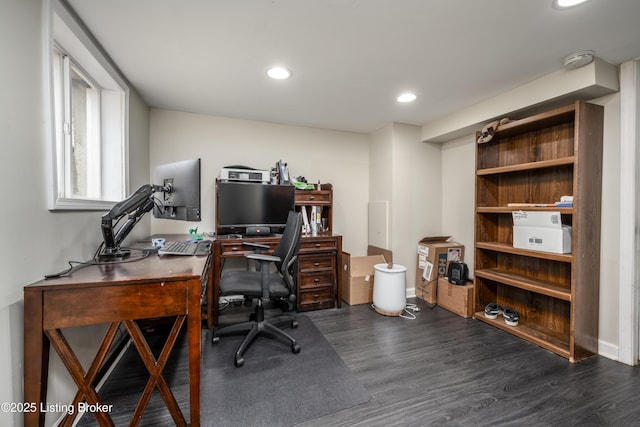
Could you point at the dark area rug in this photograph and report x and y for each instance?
(276, 387)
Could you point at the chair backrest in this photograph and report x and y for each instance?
(287, 249)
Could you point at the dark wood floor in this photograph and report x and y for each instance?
(441, 369)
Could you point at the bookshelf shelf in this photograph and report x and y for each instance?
(535, 161)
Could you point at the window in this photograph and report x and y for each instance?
(88, 119)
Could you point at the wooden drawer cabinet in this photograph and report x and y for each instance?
(318, 275)
(319, 257)
(322, 199)
(319, 280)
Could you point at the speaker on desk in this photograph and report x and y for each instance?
(258, 231)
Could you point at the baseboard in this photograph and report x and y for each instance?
(608, 350)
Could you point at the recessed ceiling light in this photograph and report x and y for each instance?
(406, 97)
(563, 4)
(278, 73)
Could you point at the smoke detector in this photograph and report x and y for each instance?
(578, 59)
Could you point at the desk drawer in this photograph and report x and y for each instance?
(316, 299)
(313, 197)
(310, 245)
(314, 280)
(310, 263)
(237, 249)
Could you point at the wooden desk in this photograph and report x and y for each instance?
(319, 277)
(115, 294)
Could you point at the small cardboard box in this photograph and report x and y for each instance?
(434, 254)
(541, 231)
(456, 298)
(358, 273)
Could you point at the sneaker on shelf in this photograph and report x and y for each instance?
(510, 317)
(492, 310)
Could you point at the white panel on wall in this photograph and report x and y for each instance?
(379, 224)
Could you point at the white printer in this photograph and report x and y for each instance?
(541, 231)
(244, 173)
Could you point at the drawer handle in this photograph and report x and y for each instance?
(316, 296)
(234, 249)
(312, 198)
(316, 264)
(316, 280)
(318, 245)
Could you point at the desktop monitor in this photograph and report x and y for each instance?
(245, 206)
(175, 194)
(182, 202)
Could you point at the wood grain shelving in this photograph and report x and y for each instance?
(536, 160)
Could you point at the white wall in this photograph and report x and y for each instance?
(458, 190)
(610, 229)
(339, 158)
(407, 173)
(42, 241)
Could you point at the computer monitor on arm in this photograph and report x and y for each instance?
(179, 184)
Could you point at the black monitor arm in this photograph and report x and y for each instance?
(134, 207)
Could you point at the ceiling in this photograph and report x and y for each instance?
(350, 58)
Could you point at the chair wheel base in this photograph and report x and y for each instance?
(215, 340)
(238, 361)
(295, 348)
(294, 324)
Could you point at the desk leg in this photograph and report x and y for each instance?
(83, 380)
(194, 336)
(155, 367)
(339, 274)
(36, 358)
(213, 299)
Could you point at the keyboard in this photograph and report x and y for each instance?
(186, 247)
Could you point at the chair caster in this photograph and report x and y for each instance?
(238, 361)
(215, 340)
(295, 348)
(294, 324)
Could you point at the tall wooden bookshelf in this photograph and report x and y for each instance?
(537, 160)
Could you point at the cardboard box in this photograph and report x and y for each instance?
(358, 273)
(456, 298)
(434, 254)
(541, 231)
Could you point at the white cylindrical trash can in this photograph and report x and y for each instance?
(389, 289)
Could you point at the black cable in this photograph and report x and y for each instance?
(424, 285)
(96, 261)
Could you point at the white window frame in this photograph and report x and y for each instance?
(63, 32)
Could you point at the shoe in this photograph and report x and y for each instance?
(492, 310)
(510, 317)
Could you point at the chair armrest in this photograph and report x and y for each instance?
(255, 245)
(263, 257)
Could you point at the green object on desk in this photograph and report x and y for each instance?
(303, 186)
(193, 234)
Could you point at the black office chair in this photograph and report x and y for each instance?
(266, 285)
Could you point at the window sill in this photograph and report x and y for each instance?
(64, 204)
